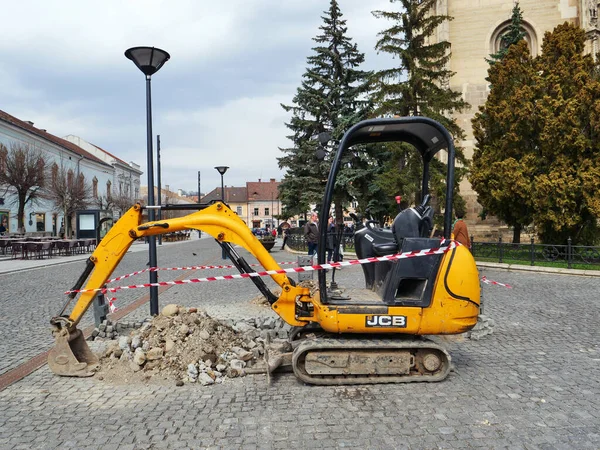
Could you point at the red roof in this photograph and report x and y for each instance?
(263, 190)
(49, 137)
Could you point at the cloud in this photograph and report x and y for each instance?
(215, 102)
(244, 134)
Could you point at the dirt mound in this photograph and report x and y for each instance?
(187, 345)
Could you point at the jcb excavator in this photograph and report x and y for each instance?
(372, 335)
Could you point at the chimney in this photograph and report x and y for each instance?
(259, 180)
(29, 122)
(272, 180)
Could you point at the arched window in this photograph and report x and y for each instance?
(81, 181)
(54, 173)
(95, 187)
(3, 156)
(108, 189)
(530, 37)
(70, 178)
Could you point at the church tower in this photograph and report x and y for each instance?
(476, 32)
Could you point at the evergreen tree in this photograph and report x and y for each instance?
(537, 156)
(331, 98)
(505, 131)
(567, 182)
(513, 35)
(417, 86)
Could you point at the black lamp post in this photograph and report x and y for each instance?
(222, 170)
(149, 60)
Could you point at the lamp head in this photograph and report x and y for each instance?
(222, 169)
(148, 59)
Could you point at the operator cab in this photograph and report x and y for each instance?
(403, 282)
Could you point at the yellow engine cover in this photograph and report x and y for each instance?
(453, 309)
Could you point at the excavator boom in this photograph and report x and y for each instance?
(71, 355)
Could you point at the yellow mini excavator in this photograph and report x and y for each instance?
(377, 334)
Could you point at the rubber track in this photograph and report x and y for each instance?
(366, 344)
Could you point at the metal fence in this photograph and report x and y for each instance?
(297, 242)
(568, 255)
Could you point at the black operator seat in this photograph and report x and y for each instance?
(413, 222)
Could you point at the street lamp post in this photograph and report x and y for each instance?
(222, 170)
(149, 60)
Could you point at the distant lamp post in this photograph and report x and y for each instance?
(222, 170)
(149, 60)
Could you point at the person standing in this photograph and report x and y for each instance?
(330, 239)
(311, 233)
(460, 232)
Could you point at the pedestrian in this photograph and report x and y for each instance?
(311, 233)
(330, 239)
(459, 230)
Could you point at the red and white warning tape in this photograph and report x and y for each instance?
(354, 262)
(156, 269)
(111, 304)
(496, 283)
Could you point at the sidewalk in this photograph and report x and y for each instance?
(8, 265)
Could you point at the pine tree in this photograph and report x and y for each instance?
(331, 98)
(537, 157)
(417, 86)
(566, 199)
(505, 133)
(513, 35)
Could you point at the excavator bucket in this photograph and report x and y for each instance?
(71, 356)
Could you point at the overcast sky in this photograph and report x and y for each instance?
(216, 102)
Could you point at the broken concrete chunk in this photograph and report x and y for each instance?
(170, 310)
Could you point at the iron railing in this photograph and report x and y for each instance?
(572, 256)
(532, 253)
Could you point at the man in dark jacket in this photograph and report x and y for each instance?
(311, 233)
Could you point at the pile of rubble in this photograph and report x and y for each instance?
(483, 327)
(187, 345)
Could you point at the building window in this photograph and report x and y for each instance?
(70, 178)
(54, 173)
(496, 42)
(137, 193)
(95, 187)
(255, 212)
(239, 211)
(267, 212)
(81, 181)
(120, 188)
(108, 189)
(3, 156)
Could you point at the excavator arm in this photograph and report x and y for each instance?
(71, 355)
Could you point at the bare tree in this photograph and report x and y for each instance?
(122, 203)
(22, 171)
(68, 192)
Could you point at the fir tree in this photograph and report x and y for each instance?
(331, 98)
(537, 157)
(513, 35)
(417, 86)
(505, 133)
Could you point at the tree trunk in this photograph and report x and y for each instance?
(21, 213)
(517, 234)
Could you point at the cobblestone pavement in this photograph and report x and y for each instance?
(532, 384)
